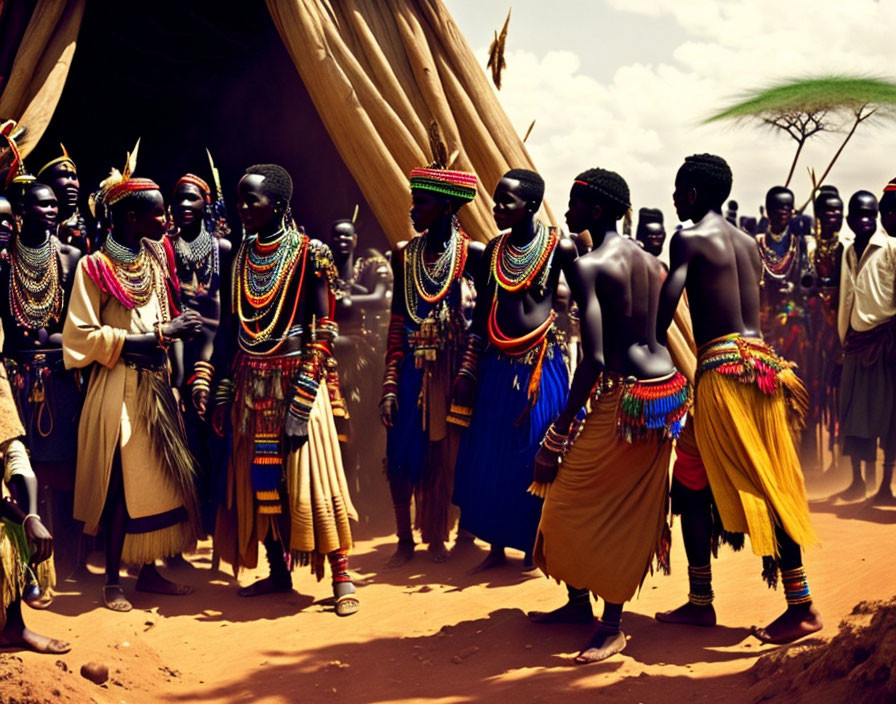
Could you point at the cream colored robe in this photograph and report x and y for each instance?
(94, 332)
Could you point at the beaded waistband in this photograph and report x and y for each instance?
(748, 359)
(653, 405)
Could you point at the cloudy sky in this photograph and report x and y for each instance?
(625, 85)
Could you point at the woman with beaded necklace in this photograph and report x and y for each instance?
(135, 474)
(513, 377)
(37, 277)
(426, 334)
(201, 257)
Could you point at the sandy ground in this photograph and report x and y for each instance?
(434, 633)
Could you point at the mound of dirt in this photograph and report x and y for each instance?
(49, 685)
(858, 664)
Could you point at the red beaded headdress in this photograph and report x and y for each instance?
(129, 186)
(194, 180)
(891, 186)
(457, 184)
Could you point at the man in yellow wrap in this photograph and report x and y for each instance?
(748, 400)
(604, 520)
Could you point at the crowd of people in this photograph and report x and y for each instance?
(168, 381)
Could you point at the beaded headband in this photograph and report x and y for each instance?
(64, 159)
(194, 180)
(126, 188)
(457, 184)
(891, 186)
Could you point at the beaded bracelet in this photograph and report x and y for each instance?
(469, 363)
(303, 399)
(224, 392)
(163, 340)
(555, 441)
(203, 372)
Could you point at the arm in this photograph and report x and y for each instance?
(583, 282)
(321, 331)
(464, 392)
(23, 485)
(673, 286)
(394, 344)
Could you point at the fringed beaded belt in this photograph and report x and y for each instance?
(647, 406)
(750, 360)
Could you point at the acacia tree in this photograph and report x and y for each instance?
(806, 107)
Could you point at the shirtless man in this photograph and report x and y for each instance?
(758, 487)
(604, 519)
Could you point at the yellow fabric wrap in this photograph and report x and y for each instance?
(318, 506)
(746, 443)
(12, 572)
(604, 517)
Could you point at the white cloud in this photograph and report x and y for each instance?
(648, 117)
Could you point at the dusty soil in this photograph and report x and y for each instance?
(434, 633)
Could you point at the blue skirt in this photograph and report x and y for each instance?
(494, 465)
(406, 440)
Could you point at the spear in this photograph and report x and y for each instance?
(222, 228)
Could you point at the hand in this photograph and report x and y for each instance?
(184, 327)
(219, 419)
(296, 432)
(388, 409)
(547, 464)
(464, 392)
(39, 538)
(200, 402)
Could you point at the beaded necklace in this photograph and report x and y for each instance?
(133, 270)
(264, 274)
(431, 282)
(35, 290)
(199, 257)
(778, 266)
(515, 268)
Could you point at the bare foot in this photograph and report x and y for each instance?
(602, 645)
(689, 614)
(795, 623)
(268, 585)
(151, 581)
(404, 553)
(114, 598)
(33, 641)
(495, 558)
(438, 553)
(568, 613)
(883, 497)
(854, 492)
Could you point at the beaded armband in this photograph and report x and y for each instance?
(469, 363)
(322, 262)
(313, 368)
(394, 355)
(201, 380)
(224, 392)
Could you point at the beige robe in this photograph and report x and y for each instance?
(94, 332)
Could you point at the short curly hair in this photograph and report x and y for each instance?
(710, 175)
(277, 184)
(531, 185)
(605, 188)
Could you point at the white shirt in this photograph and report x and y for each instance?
(867, 285)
